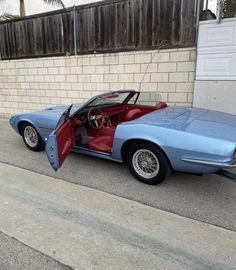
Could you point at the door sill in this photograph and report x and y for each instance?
(84, 148)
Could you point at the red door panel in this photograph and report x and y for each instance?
(64, 138)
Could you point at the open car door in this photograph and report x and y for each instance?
(60, 141)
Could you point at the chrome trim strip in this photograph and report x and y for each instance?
(44, 129)
(209, 163)
(93, 153)
(83, 149)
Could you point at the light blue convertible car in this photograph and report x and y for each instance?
(151, 140)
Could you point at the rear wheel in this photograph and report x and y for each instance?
(32, 138)
(148, 163)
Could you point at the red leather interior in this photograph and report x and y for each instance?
(160, 105)
(102, 139)
(132, 114)
(108, 131)
(102, 143)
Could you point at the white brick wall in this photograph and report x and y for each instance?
(32, 84)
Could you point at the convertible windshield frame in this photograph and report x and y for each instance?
(88, 104)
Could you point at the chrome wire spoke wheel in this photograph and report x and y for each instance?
(146, 163)
(31, 136)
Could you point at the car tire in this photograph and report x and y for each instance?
(147, 163)
(32, 138)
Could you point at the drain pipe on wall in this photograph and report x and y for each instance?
(198, 7)
(75, 32)
(218, 11)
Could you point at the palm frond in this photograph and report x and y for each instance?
(6, 16)
(54, 2)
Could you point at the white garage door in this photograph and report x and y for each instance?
(217, 50)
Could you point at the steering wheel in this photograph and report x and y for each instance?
(96, 118)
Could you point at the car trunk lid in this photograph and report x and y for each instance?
(194, 120)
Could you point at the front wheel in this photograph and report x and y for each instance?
(32, 138)
(148, 163)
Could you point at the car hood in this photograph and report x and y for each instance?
(44, 120)
(49, 117)
(56, 111)
(193, 120)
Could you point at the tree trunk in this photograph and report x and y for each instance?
(22, 8)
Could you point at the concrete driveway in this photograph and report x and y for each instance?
(89, 229)
(209, 198)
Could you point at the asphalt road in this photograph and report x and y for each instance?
(208, 198)
(16, 256)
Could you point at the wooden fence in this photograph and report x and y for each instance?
(107, 26)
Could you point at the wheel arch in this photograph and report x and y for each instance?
(21, 123)
(129, 142)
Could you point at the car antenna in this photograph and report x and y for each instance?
(162, 44)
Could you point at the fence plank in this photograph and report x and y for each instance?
(109, 26)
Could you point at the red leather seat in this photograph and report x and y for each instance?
(102, 143)
(160, 105)
(109, 131)
(132, 114)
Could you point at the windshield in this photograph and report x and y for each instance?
(75, 108)
(110, 99)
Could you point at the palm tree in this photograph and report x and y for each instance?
(22, 8)
(22, 5)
